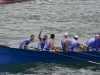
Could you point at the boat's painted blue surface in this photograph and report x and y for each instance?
(16, 56)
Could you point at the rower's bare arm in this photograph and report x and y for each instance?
(54, 47)
(67, 43)
(23, 46)
(82, 46)
(52, 44)
(39, 36)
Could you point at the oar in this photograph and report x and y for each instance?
(93, 49)
(76, 58)
(33, 47)
(4, 46)
(88, 54)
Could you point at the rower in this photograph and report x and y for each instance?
(42, 41)
(65, 42)
(90, 43)
(50, 44)
(24, 44)
(96, 44)
(73, 44)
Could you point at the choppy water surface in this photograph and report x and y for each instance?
(18, 21)
(49, 69)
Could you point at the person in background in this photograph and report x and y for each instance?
(65, 42)
(74, 44)
(50, 44)
(42, 41)
(90, 43)
(24, 45)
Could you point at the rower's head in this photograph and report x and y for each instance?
(76, 37)
(66, 34)
(52, 36)
(32, 37)
(99, 36)
(96, 36)
(45, 37)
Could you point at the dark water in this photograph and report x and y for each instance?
(18, 21)
(50, 69)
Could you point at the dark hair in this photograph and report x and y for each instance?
(52, 36)
(75, 38)
(32, 35)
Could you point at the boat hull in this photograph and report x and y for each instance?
(17, 56)
(10, 1)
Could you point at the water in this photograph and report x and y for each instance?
(18, 21)
(47, 69)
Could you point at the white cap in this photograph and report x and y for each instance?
(97, 35)
(65, 34)
(76, 36)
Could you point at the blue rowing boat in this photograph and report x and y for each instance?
(11, 1)
(16, 56)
